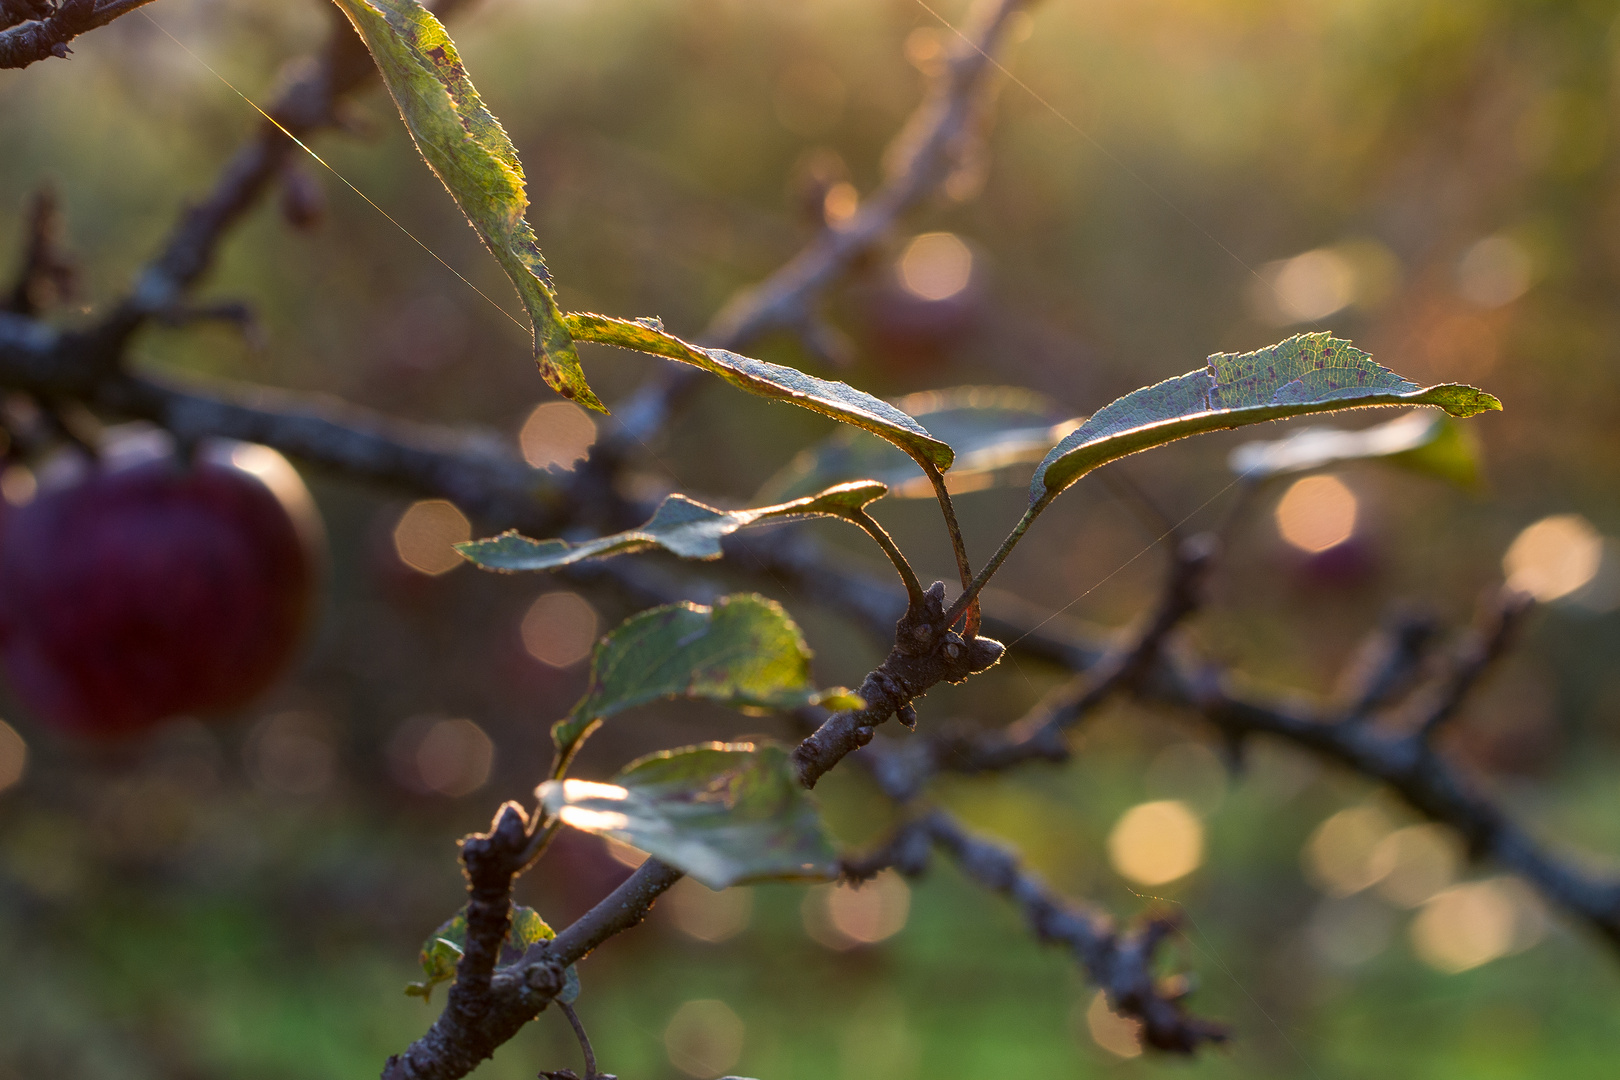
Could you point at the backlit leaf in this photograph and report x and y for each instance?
(1308, 373)
(683, 526)
(723, 813)
(443, 949)
(835, 399)
(991, 429)
(744, 652)
(469, 151)
(1422, 440)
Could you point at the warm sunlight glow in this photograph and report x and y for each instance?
(623, 853)
(1472, 924)
(1494, 272)
(454, 758)
(425, 533)
(704, 1039)
(559, 629)
(844, 916)
(1317, 513)
(1312, 286)
(1420, 859)
(936, 266)
(13, 756)
(557, 434)
(1343, 856)
(1157, 842)
(701, 913)
(839, 205)
(593, 820)
(589, 789)
(1553, 557)
(1116, 1034)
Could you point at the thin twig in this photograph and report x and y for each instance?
(584, 1039)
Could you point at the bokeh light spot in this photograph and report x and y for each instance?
(1421, 861)
(290, 753)
(18, 485)
(425, 535)
(1313, 285)
(559, 629)
(844, 916)
(557, 434)
(13, 756)
(700, 912)
(1157, 842)
(436, 755)
(840, 204)
(704, 1039)
(1346, 932)
(1344, 856)
(1553, 557)
(1472, 924)
(1317, 513)
(1120, 1035)
(1493, 272)
(936, 266)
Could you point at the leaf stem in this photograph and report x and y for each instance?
(969, 601)
(584, 1039)
(970, 595)
(914, 589)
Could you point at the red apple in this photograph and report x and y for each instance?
(145, 587)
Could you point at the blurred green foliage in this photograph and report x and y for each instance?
(247, 898)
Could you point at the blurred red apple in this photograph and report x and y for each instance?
(144, 587)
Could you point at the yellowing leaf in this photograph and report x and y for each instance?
(469, 151)
(682, 526)
(1308, 373)
(835, 399)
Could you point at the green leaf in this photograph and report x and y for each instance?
(1308, 373)
(1424, 441)
(744, 652)
(468, 150)
(835, 399)
(683, 526)
(443, 949)
(723, 813)
(991, 429)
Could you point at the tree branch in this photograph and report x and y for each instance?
(1120, 962)
(49, 29)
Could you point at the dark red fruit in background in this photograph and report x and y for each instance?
(140, 590)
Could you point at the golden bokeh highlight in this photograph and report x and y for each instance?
(13, 756)
(1472, 924)
(701, 913)
(1317, 513)
(18, 485)
(1119, 1035)
(441, 756)
(1311, 286)
(840, 204)
(845, 916)
(557, 434)
(559, 629)
(1416, 862)
(1156, 842)
(1554, 557)
(1345, 854)
(704, 1039)
(935, 266)
(426, 534)
(1495, 271)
